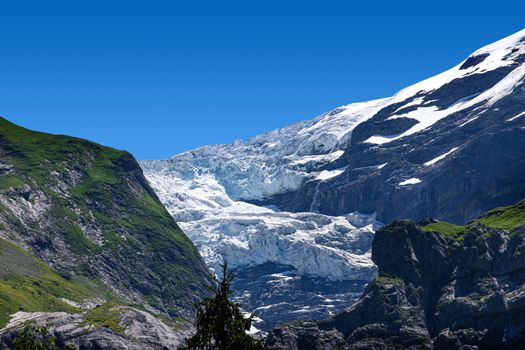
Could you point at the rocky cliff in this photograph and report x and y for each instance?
(450, 147)
(440, 286)
(81, 231)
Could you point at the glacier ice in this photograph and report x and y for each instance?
(208, 192)
(249, 235)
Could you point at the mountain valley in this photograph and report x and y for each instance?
(397, 223)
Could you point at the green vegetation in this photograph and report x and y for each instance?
(506, 218)
(77, 241)
(28, 284)
(10, 181)
(34, 337)
(35, 155)
(86, 185)
(40, 160)
(445, 228)
(220, 322)
(107, 316)
(385, 279)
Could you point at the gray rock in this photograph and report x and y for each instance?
(434, 291)
(141, 331)
(486, 171)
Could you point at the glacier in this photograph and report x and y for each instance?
(248, 235)
(211, 192)
(306, 263)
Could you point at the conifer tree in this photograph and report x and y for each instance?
(220, 322)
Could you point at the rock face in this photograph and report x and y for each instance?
(440, 286)
(140, 330)
(78, 221)
(457, 138)
(449, 147)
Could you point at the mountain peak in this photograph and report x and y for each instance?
(302, 201)
(509, 42)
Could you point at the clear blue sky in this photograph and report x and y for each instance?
(160, 77)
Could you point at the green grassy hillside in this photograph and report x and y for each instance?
(28, 284)
(506, 218)
(88, 211)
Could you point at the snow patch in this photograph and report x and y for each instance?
(500, 54)
(437, 159)
(329, 157)
(328, 174)
(516, 117)
(412, 181)
(469, 121)
(416, 102)
(428, 116)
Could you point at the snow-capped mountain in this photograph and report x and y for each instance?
(294, 210)
(209, 192)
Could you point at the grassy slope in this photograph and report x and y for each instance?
(106, 315)
(506, 218)
(151, 253)
(28, 284)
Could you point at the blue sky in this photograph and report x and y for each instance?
(161, 77)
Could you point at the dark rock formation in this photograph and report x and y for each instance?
(440, 286)
(486, 170)
(281, 287)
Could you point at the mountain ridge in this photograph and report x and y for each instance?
(94, 237)
(304, 196)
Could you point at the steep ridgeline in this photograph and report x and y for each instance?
(82, 239)
(295, 209)
(440, 286)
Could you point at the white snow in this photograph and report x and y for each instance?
(501, 53)
(378, 140)
(437, 159)
(502, 44)
(249, 235)
(412, 181)
(329, 157)
(274, 162)
(417, 101)
(428, 116)
(206, 191)
(328, 174)
(497, 51)
(469, 121)
(516, 117)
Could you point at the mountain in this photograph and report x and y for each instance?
(440, 286)
(85, 243)
(295, 209)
